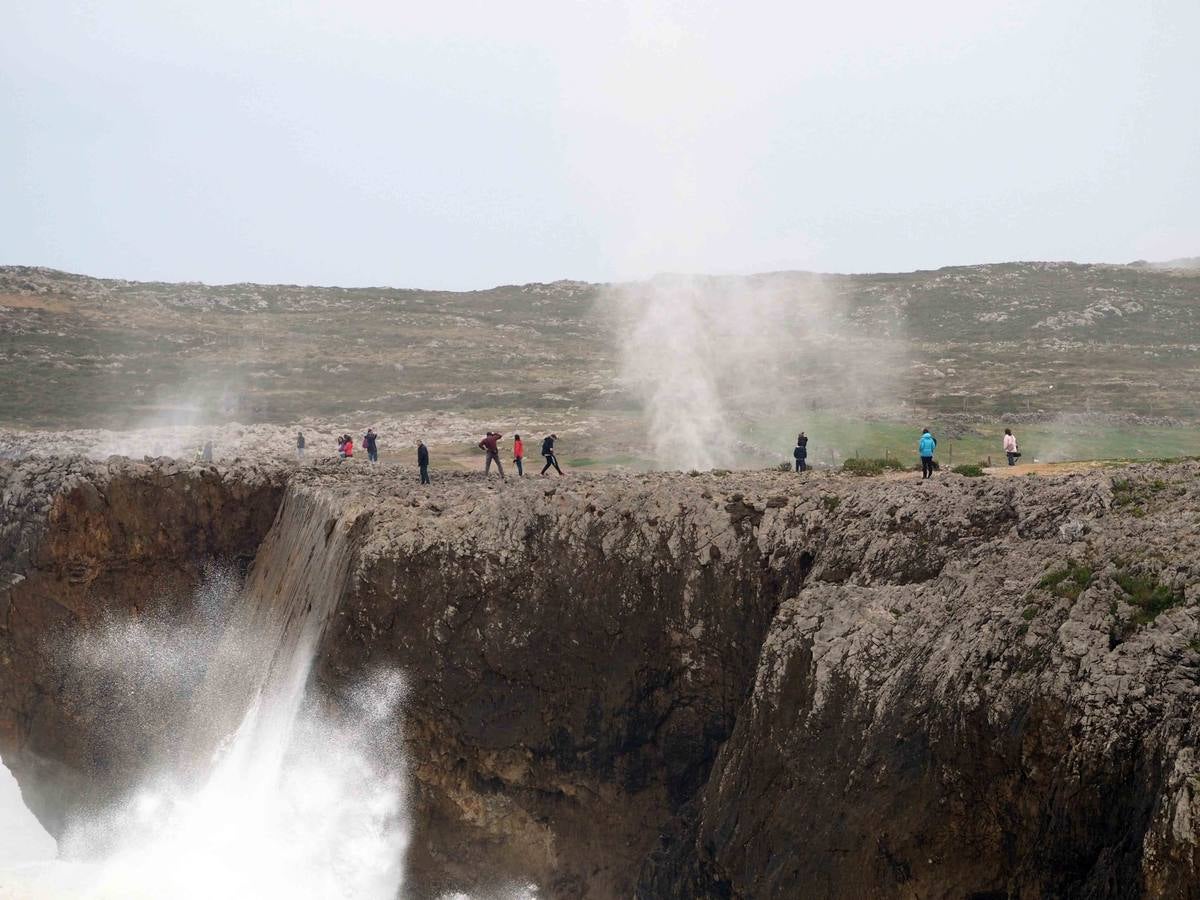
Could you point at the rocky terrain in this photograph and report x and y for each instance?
(719, 685)
(991, 340)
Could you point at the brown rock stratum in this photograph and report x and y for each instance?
(744, 685)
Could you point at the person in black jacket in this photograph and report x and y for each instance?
(368, 441)
(423, 462)
(801, 452)
(548, 452)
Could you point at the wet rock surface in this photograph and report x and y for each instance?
(742, 685)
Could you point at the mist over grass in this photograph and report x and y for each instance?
(709, 358)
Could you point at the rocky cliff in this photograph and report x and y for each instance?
(746, 685)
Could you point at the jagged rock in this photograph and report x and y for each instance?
(711, 686)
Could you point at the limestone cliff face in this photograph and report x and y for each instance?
(716, 686)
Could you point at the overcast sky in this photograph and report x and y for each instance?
(470, 144)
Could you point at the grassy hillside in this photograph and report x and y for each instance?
(984, 342)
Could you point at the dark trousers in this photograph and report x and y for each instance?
(926, 466)
(425, 475)
(1012, 459)
(520, 463)
(373, 455)
(801, 463)
(493, 458)
(551, 460)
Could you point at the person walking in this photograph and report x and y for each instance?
(551, 456)
(1010, 447)
(300, 446)
(801, 452)
(489, 446)
(423, 462)
(925, 447)
(519, 455)
(368, 441)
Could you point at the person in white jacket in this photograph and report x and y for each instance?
(1010, 447)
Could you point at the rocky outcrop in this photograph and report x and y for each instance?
(746, 685)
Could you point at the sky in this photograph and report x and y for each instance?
(464, 145)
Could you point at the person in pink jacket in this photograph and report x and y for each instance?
(1010, 447)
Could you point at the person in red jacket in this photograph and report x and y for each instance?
(488, 445)
(519, 455)
(348, 447)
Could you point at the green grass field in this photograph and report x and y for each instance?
(832, 439)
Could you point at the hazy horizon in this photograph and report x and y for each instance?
(632, 281)
(371, 144)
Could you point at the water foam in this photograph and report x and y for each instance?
(305, 799)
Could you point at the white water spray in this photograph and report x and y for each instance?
(303, 800)
(703, 355)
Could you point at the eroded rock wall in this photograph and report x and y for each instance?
(748, 685)
(576, 655)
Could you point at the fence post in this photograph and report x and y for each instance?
(952, 452)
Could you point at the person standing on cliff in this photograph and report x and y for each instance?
(489, 446)
(801, 452)
(551, 456)
(519, 455)
(368, 441)
(423, 462)
(925, 447)
(1010, 447)
(300, 446)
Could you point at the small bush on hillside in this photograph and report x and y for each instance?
(970, 470)
(1069, 581)
(785, 467)
(1147, 596)
(1132, 496)
(871, 466)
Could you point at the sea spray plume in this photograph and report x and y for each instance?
(306, 804)
(706, 356)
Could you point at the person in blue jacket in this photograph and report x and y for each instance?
(925, 447)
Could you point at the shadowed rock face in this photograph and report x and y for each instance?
(717, 686)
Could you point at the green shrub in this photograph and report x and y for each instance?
(1128, 493)
(785, 467)
(1030, 612)
(871, 466)
(970, 470)
(831, 502)
(1147, 596)
(1069, 581)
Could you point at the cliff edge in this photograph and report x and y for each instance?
(719, 685)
